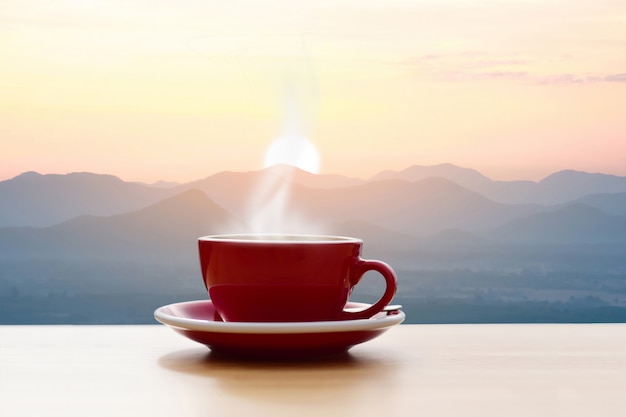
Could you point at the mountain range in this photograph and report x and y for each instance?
(97, 234)
(419, 201)
(558, 188)
(33, 199)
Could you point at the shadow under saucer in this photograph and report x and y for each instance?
(295, 380)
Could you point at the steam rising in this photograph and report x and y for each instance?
(272, 209)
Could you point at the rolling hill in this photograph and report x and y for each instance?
(37, 200)
(575, 223)
(167, 228)
(558, 188)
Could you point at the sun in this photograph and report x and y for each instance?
(293, 150)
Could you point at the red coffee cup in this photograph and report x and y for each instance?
(287, 278)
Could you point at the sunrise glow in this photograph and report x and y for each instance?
(178, 90)
(293, 150)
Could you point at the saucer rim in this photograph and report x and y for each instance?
(379, 321)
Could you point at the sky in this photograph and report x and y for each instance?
(179, 90)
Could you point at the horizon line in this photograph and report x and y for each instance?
(260, 169)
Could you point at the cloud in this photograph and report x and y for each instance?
(564, 79)
(616, 78)
(581, 79)
(561, 78)
(471, 66)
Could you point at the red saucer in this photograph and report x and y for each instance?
(198, 321)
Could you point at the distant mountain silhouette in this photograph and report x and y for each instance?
(507, 192)
(168, 228)
(569, 185)
(558, 188)
(163, 184)
(37, 200)
(610, 203)
(465, 177)
(419, 208)
(235, 191)
(574, 223)
(433, 203)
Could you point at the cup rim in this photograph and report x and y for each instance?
(280, 238)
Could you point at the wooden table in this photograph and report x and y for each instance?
(412, 370)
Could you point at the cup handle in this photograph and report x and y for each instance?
(361, 267)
